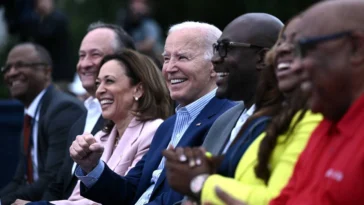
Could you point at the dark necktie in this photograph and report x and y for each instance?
(27, 137)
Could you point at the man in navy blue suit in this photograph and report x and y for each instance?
(191, 80)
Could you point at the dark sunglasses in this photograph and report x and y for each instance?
(222, 47)
(304, 45)
(20, 65)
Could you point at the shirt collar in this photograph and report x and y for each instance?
(195, 107)
(251, 110)
(91, 102)
(352, 119)
(33, 106)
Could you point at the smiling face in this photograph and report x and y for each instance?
(115, 91)
(94, 47)
(237, 72)
(327, 68)
(288, 78)
(188, 74)
(25, 82)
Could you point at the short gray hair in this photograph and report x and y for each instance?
(211, 32)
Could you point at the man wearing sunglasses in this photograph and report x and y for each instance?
(330, 56)
(238, 59)
(49, 114)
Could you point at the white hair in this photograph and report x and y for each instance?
(211, 34)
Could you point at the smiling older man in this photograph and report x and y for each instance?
(49, 114)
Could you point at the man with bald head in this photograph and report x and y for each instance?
(330, 56)
(49, 114)
(238, 60)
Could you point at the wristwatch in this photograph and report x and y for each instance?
(197, 183)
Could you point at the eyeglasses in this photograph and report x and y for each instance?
(20, 65)
(222, 47)
(305, 44)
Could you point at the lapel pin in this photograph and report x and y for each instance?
(198, 124)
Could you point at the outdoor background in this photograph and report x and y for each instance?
(166, 12)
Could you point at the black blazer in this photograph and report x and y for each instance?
(57, 114)
(65, 182)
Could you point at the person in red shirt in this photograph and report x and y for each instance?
(330, 58)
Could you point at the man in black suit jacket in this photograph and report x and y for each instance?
(62, 187)
(27, 74)
(99, 39)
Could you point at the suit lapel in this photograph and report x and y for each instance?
(225, 135)
(165, 139)
(189, 137)
(211, 109)
(78, 129)
(98, 126)
(154, 155)
(45, 101)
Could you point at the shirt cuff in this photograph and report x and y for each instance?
(91, 178)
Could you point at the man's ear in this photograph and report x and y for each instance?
(260, 62)
(48, 73)
(357, 57)
(212, 71)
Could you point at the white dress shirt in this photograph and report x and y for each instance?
(34, 113)
(94, 110)
(239, 124)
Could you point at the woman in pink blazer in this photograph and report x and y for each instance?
(134, 98)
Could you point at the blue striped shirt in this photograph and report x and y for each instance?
(185, 116)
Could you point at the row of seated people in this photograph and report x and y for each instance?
(255, 101)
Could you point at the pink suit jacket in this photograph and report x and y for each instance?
(132, 146)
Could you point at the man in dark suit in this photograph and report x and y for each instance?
(244, 70)
(100, 39)
(191, 81)
(49, 114)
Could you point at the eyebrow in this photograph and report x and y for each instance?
(183, 52)
(178, 53)
(109, 76)
(91, 51)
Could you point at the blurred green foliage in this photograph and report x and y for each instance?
(167, 12)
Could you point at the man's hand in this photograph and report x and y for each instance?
(20, 202)
(86, 152)
(226, 198)
(182, 165)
